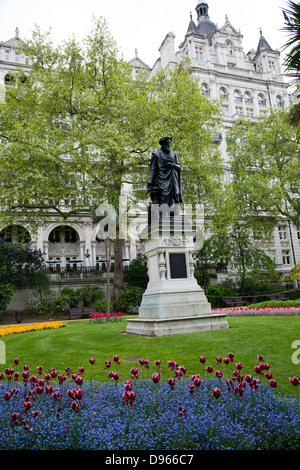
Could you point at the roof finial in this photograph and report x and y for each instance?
(17, 32)
(136, 53)
(260, 31)
(191, 16)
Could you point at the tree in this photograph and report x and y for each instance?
(22, 267)
(292, 59)
(265, 166)
(78, 127)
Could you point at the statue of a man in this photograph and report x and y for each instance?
(164, 183)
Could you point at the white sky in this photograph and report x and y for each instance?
(141, 24)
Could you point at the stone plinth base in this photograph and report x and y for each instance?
(173, 301)
(171, 326)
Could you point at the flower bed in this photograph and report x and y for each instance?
(10, 330)
(258, 311)
(51, 411)
(106, 317)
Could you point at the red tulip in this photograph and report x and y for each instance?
(231, 356)
(273, 383)
(219, 374)
(239, 366)
(226, 360)
(171, 382)
(16, 361)
(81, 370)
(116, 359)
(209, 369)
(295, 381)
(268, 374)
(92, 360)
(216, 392)
(156, 377)
(107, 365)
(202, 359)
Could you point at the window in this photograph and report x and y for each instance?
(237, 96)
(6, 56)
(205, 89)
(286, 257)
(248, 98)
(223, 94)
(279, 102)
(262, 100)
(199, 53)
(282, 232)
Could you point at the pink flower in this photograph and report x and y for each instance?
(295, 381)
(239, 366)
(113, 375)
(157, 363)
(209, 369)
(273, 383)
(219, 374)
(116, 359)
(260, 358)
(218, 359)
(216, 392)
(16, 361)
(156, 377)
(191, 387)
(81, 370)
(202, 359)
(226, 360)
(171, 382)
(182, 411)
(92, 360)
(107, 365)
(268, 374)
(231, 356)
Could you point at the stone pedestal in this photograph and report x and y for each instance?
(173, 301)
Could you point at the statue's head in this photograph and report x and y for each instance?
(165, 143)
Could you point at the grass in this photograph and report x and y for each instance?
(246, 337)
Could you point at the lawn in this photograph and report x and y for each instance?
(247, 337)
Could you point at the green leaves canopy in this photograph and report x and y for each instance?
(80, 126)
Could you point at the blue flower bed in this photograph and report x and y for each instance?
(156, 416)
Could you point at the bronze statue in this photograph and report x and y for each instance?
(164, 183)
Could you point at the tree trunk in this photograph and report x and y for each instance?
(108, 257)
(118, 268)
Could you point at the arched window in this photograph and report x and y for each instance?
(237, 96)
(279, 101)
(223, 93)
(262, 100)
(230, 48)
(248, 98)
(205, 89)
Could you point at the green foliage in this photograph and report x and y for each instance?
(129, 300)
(216, 293)
(265, 166)
(22, 266)
(6, 294)
(46, 307)
(86, 296)
(277, 303)
(136, 275)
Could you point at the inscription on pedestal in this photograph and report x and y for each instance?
(177, 265)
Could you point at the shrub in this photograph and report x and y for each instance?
(277, 303)
(136, 274)
(6, 295)
(48, 306)
(128, 299)
(86, 296)
(215, 294)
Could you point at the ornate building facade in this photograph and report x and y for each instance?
(248, 85)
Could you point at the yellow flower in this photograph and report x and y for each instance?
(9, 330)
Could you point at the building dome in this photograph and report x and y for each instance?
(205, 26)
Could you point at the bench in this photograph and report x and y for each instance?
(234, 302)
(81, 311)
